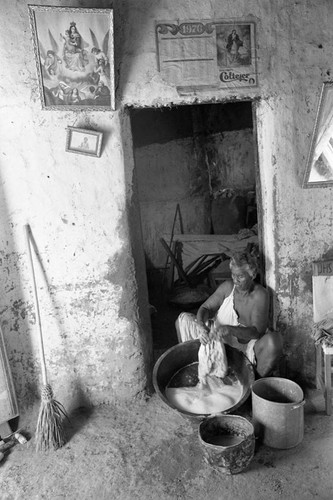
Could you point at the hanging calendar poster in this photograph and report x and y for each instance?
(218, 54)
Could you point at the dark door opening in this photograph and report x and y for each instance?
(198, 192)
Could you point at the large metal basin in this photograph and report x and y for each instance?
(186, 353)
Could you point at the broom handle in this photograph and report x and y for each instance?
(41, 343)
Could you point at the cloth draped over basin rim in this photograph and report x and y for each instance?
(186, 353)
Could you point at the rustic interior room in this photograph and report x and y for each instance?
(196, 176)
(161, 162)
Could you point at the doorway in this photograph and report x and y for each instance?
(199, 199)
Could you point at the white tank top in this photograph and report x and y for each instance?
(226, 315)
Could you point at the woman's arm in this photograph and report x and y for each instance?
(243, 333)
(258, 320)
(210, 307)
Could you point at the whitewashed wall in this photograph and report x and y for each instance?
(294, 57)
(83, 213)
(96, 340)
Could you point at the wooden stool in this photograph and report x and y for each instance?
(325, 384)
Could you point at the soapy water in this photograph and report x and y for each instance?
(216, 395)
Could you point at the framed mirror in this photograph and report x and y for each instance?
(319, 168)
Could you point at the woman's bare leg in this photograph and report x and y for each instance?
(268, 351)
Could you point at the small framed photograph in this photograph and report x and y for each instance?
(73, 50)
(83, 141)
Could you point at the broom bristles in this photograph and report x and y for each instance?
(50, 429)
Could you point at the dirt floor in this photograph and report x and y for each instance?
(146, 451)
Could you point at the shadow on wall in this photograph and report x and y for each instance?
(14, 311)
(297, 360)
(129, 38)
(18, 316)
(141, 302)
(78, 394)
(328, 255)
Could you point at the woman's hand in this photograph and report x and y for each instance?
(203, 337)
(203, 334)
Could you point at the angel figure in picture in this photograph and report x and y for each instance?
(51, 61)
(99, 55)
(101, 71)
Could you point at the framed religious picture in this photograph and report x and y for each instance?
(74, 56)
(84, 141)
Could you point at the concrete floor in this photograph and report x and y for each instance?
(146, 450)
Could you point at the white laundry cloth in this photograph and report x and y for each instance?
(212, 358)
(226, 315)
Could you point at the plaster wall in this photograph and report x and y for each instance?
(97, 342)
(84, 211)
(293, 54)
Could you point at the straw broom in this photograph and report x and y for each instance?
(50, 428)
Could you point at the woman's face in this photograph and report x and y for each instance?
(241, 277)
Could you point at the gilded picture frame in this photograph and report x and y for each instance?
(84, 141)
(73, 50)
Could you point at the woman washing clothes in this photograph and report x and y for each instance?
(239, 308)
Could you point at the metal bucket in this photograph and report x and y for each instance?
(278, 413)
(186, 353)
(228, 442)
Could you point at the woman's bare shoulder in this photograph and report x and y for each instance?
(260, 291)
(226, 287)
